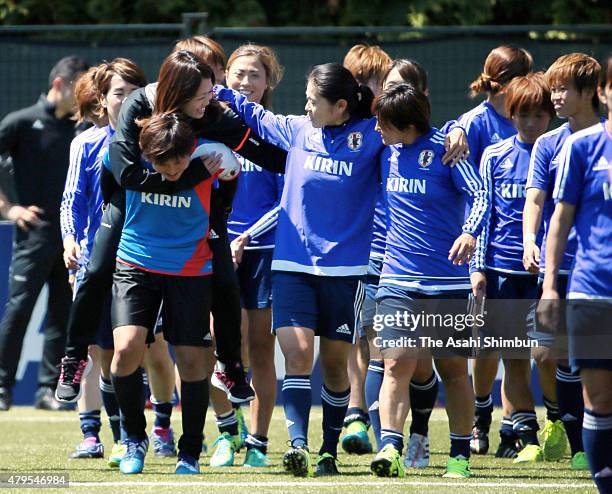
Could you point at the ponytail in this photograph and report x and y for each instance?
(365, 99)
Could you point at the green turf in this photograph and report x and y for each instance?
(35, 441)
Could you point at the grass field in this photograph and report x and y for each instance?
(34, 441)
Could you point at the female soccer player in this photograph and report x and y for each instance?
(110, 84)
(583, 198)
(497, 267)
(488, 124)
(254, 71)
(428, 245)
(321, 249)
(573, 81)
(424, 384)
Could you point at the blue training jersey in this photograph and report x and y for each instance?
(584, 181)
(81, 207)
(168, 234)
(258, 194)
(426, 206)
(327, 206)
(542, 173)
(379, 230)
(484, 126)
(504, 167)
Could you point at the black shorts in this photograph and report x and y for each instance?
(138, 294)
(590, 337)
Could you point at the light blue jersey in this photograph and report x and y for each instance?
(81, 207)
(584, 181)
(426, 207)
(504, 167)
(327, 207)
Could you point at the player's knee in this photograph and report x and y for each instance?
(541, 355)
(296, 363)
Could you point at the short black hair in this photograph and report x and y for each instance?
(68, 68)
(402, 105)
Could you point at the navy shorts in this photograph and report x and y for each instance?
(325, 304)
(138, 295)
(535, 332)
(441, 326)
(255, 279)
(104, 337)
(509, 301)
(590, 336)
(370, 287)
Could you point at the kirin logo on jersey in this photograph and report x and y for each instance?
(354, 141)
(426, 158)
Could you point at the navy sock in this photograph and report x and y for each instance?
(373, 382)
(483, 411)
(571, 406)
(525, 425)
(552, 410)
(423, 398)
(146, 391)
(395, 438)
(111, 406)
(297, 400)
(257, 442)
(506, 430)
(90, 423)
(356, 413)
(227, 423)
(163, 412)
(128, 390)
(335, 404)
(460, 445)
(194, 398)
(597, 438)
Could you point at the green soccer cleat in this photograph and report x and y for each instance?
(532, 453)
(356, 440)
(554, 440)
(326, 465)
(255, 459)
(224, 452)
(116, 455)
(388, 463)
(457, 468)
(243, 430)
(579, 461)
(297, 461)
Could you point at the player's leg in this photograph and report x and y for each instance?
(160, 370)
(423, 395)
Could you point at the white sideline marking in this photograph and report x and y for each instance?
(336, 484)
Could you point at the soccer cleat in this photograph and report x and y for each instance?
(479, 444)
(554, 440)
(224, 454)
(255, 459)
(117, 453)
(457, 468)
(243, 430)
(6, 399)
(233, 381)
(579, 461)
(417, 452)
(187, 465)
(507, 449)
(163, 442)
(45, 400)
(326, 465)
(91, 447)
(356, 440)
(388, 463)
(133, 459)
(532, 453)
(298, 462)
(72, 372)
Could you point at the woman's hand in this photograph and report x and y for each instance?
(456, 146)
(213, 162)
(72, 253)
(462, 250)
(237, 246)
(479, 285)
(549, 310)
(531, 257)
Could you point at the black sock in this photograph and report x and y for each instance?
(128, 390)
(194, 399)
(483, 411)
(423, 398)
(552, 410)
(356, 413)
